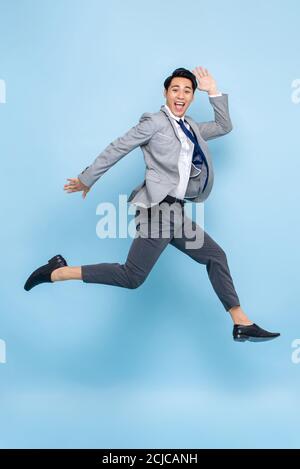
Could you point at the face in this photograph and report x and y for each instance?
(179, 95)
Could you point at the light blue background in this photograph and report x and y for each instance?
(97, 366)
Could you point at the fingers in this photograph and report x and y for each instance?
(71, 188)
(75, 185)
(200, 72)
(73, 181)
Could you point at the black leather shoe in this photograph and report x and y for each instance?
(43, 273)
(253, 333)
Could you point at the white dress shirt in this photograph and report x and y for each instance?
(185, 157)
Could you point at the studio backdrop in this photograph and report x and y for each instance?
(95, 366)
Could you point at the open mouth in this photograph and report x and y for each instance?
(179, 105)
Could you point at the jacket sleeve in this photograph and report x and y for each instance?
(138, 135)
(222, 123)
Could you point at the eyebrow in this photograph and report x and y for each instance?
(174, 86)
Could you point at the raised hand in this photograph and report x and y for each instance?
(206, 82)
(75, 185)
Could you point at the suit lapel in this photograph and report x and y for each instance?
(194, 127)
(163, 109)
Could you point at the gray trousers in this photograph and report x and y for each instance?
(157, 227)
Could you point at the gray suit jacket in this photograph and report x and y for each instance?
(156, 134)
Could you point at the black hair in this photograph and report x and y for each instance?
(181, 72)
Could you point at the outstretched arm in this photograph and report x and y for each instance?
(138, 135)
(222, 124)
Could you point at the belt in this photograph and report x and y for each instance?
(171, 200)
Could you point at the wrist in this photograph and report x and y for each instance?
(213, 91)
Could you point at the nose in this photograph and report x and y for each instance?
(180, 96)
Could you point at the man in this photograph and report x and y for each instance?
(178, 167)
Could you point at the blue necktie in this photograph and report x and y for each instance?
(198, 155)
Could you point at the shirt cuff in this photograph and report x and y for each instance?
(214, 95)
